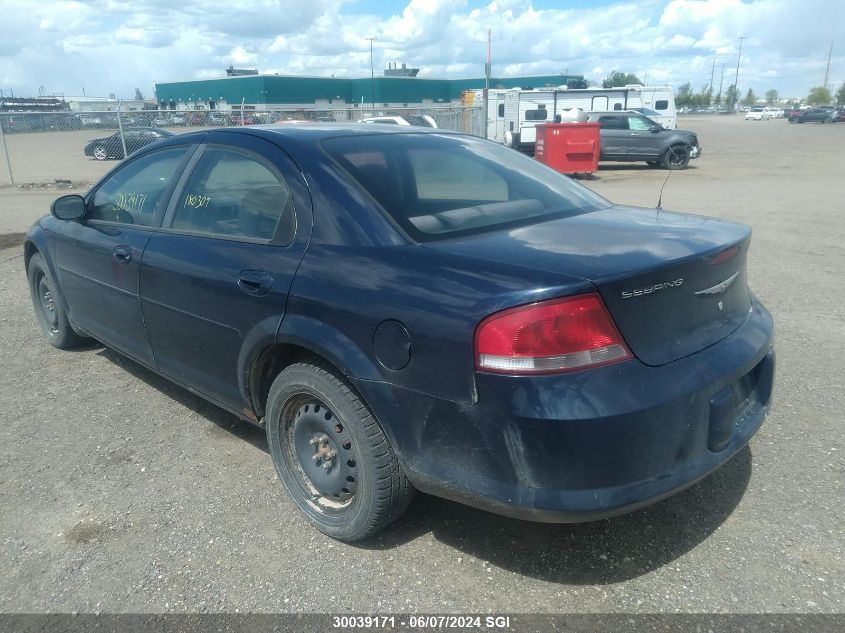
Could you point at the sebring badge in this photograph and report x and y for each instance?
(627, 294)
(719, 287)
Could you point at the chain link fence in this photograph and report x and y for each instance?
(40, 149)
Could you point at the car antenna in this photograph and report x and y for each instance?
(663, 186)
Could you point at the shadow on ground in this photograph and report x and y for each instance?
(601, 552)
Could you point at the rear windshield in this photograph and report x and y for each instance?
(437, 186)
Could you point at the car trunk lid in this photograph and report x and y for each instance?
(673, 283)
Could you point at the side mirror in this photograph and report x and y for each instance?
(655, 128)
(70, 207)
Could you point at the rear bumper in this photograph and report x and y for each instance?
(584, 446)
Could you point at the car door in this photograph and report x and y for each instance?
(614, 137)
(215, 278)
(98, 257)
(644, 143)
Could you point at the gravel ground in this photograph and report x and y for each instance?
(122, 492)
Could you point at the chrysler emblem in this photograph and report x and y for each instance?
(719, 287)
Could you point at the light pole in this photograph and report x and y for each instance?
(736, 78)
(721, 81)
(372, 76)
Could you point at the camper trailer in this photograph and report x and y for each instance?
(512, 114)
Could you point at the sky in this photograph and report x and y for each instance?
(114, 46)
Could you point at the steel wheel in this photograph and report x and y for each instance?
(331, 453)
(46, 303)
(48, 309)
(319, 449)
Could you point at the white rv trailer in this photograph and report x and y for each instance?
(518, 111)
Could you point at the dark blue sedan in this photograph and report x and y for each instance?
(407, 309)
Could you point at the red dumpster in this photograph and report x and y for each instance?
(570, 148)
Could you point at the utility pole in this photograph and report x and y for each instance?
(487, 71)
(736, 79)
(710, 88)
(721, 82)
(827, 72)
(372, 76)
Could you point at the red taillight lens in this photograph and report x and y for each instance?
(552, 336)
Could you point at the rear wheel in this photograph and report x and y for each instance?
(332, 455)
(49, 312)
(100, 153)
(676, 157)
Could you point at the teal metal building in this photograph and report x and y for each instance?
(278, 91)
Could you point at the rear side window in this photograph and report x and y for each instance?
(132, 195)
(439, 177)
(662, 104)
(234, 194)
(539, 114)
(441, 185)
(614, 123)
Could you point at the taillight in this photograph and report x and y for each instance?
(551, 336)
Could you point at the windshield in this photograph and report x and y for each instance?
(436, 185)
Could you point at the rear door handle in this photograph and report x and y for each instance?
(122, 254)
(255, 282)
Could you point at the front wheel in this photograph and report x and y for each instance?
(676, 157)
(332, 455)
(49, 312)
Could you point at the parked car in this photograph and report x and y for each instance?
(839, 116)
(218, 118)
(758, 113)
(402, 308)
(630, 137)
(819, 115)
(419, 120)
(135, 138)
(245, 118)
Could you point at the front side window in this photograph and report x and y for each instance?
(441, 185)
(134, 194)
(640, 123)
(234, 194)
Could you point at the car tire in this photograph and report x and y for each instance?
(100, 153)
(51, 316)
(676, 157)
(332, 455)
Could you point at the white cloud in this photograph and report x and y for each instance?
(115, 46)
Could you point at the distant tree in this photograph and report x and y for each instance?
(618, 79)
(730, 96)
(705, 95)
(819, 96)
(840, 94)
(771, 96)
(750, 98)
(139, 95)
(684, 97)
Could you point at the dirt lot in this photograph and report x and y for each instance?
(122, 492)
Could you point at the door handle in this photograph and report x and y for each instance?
(122, 254)
(255, 282)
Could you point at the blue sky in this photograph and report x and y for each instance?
(114, 46)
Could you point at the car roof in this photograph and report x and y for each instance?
(319, 131)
